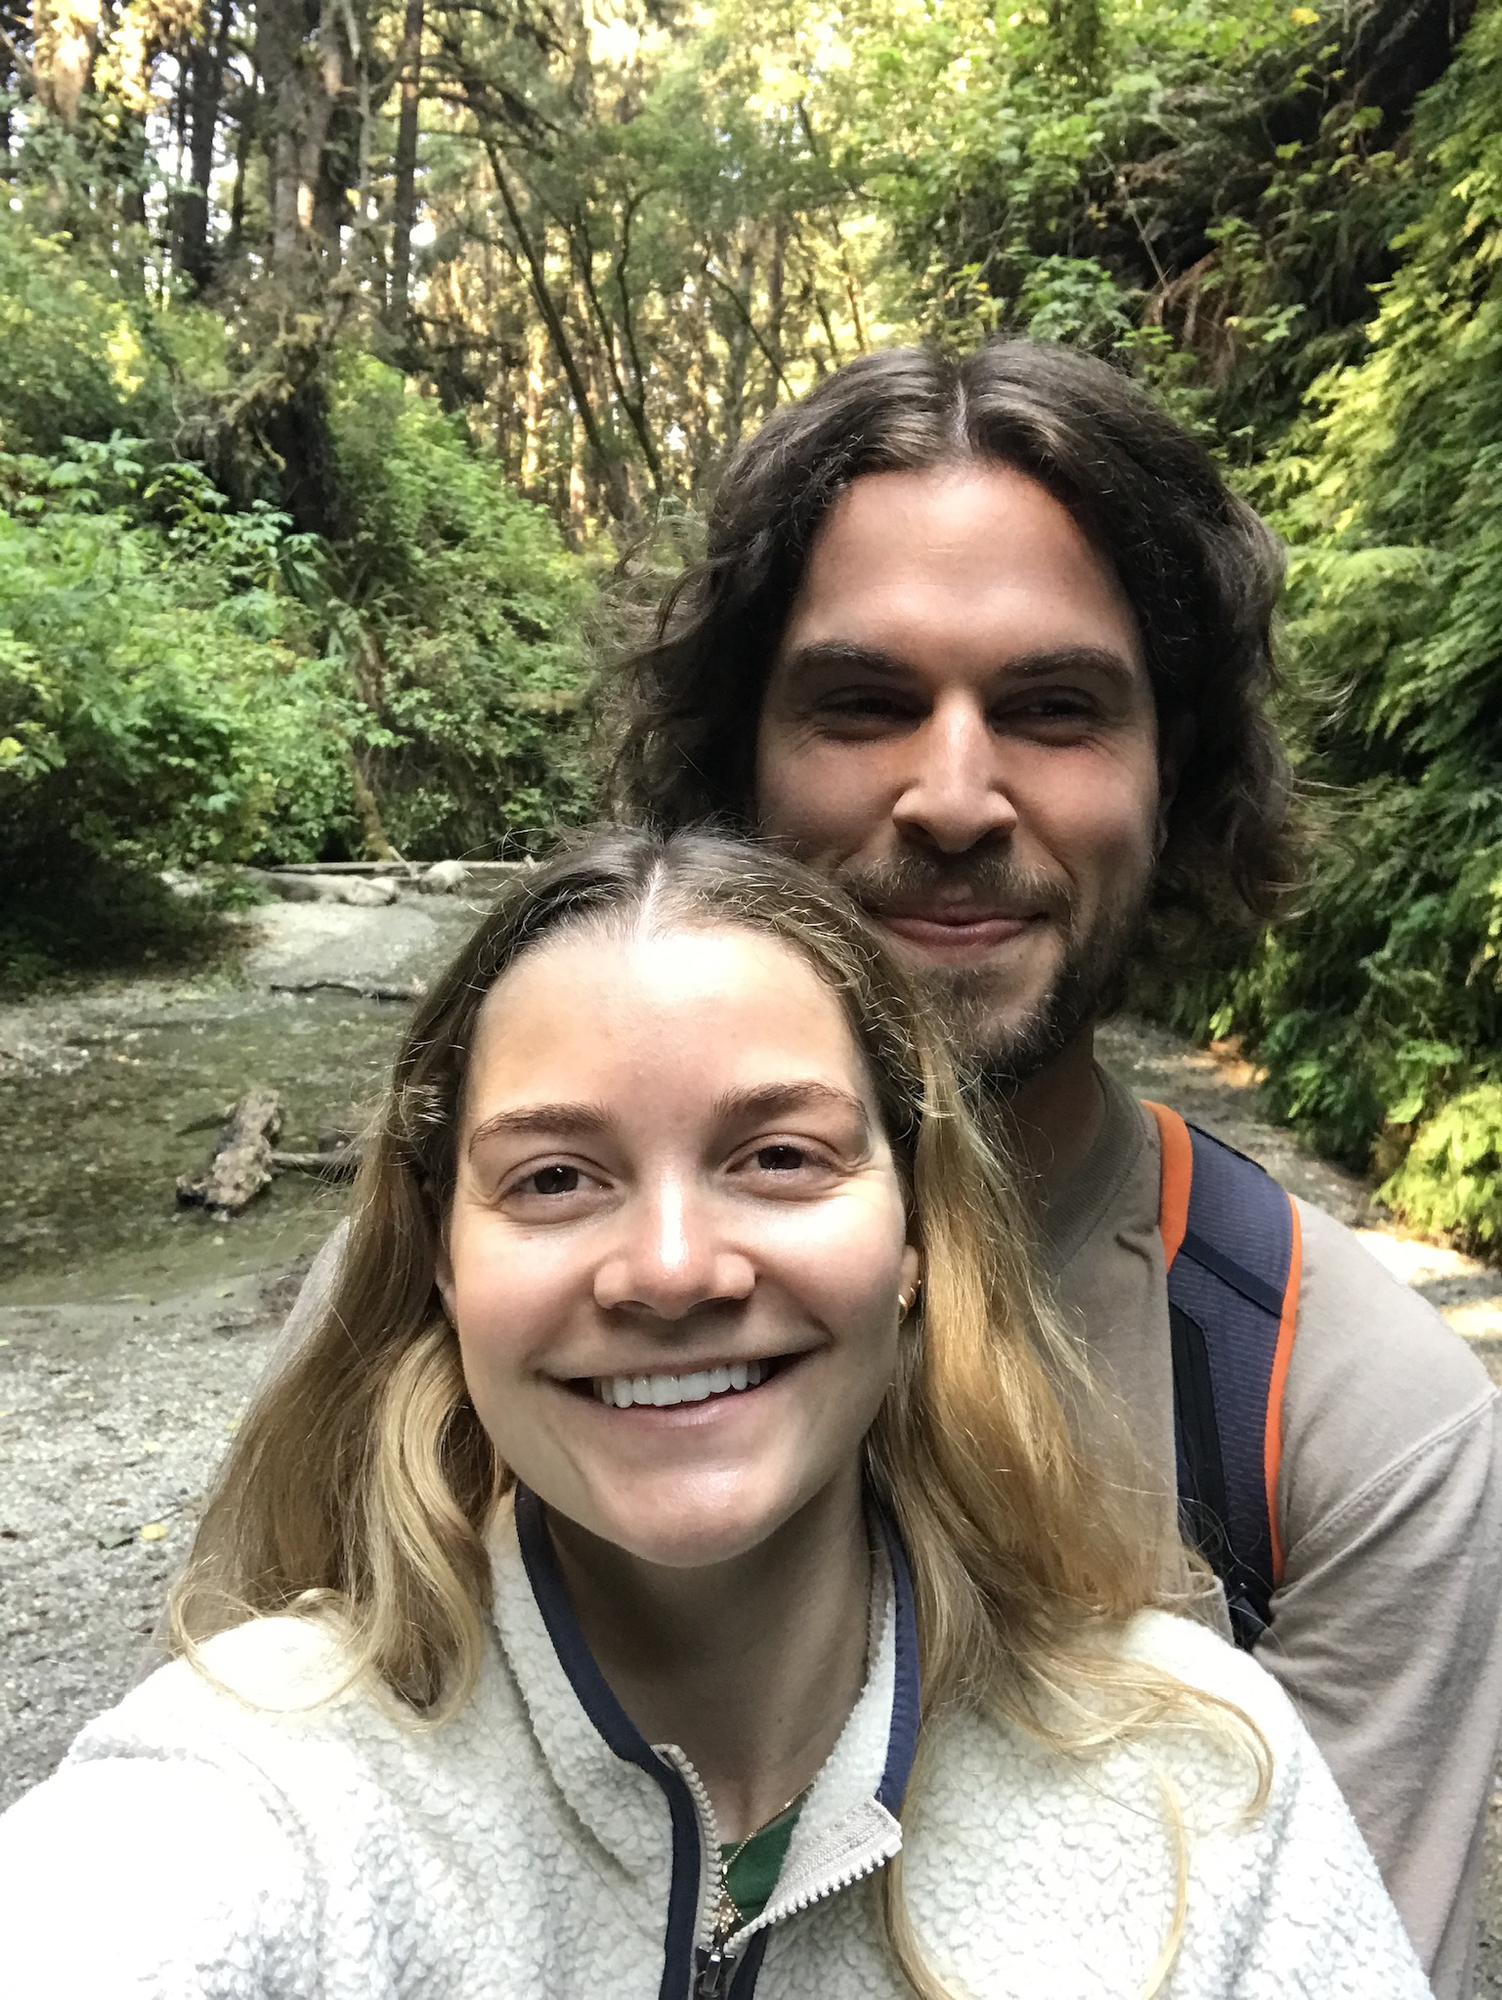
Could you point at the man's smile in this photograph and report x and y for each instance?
(948, 934)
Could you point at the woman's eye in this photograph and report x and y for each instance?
(554, 1180)
(786, 1162)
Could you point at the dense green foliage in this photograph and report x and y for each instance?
(186, 680)
(1380, 1014)
(343, 344)
(160, 701)
(471, 626)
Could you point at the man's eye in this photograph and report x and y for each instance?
(1056, 708)
(781, 1159)
(857, 706)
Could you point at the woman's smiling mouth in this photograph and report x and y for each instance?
(663, 1391)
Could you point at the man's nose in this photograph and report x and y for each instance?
(673, 1254)
(956, 795)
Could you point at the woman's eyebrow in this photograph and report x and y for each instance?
(771, 1100)
(574, 1121)
(583, 1121)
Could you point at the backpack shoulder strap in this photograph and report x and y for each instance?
(1232, 1251)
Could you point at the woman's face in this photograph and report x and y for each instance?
(677, 1238)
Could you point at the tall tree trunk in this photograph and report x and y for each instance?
(336, 167)
(776, 309)
(535, 410)
(578, 483)
(296, 124)
(404, 199)
(604, 464)
(207, 65)
(738, 347)
(589, 305)
(246, 106)
(66, 41)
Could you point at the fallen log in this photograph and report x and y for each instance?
(372, 892)
(340, 1164)
(241, 1165)
(368, 989)
(412, 869)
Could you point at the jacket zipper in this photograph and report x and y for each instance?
(715, 1962)
(714, 1971)
(714, 1967)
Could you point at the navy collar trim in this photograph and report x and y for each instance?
(907, 1680)
(545, 1575)
(619, 1732)
(616, 1727)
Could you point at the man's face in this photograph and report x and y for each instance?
(959, 728)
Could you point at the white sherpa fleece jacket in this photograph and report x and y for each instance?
(246, 1846)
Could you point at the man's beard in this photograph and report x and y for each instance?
(998, 1052)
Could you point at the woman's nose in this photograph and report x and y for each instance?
(672, 1255)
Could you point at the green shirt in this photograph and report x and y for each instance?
(752, 1875)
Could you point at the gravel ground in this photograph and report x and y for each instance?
(114, 1413)
(111, 1422)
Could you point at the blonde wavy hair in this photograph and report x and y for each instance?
(362, 1482)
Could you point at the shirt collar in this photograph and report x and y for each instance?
(612, 1777)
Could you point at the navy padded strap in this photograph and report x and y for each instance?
(1229, 1280)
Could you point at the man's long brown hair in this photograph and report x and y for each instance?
(1200, 570)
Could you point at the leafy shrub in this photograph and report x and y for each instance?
(78, 356)
(1450, 1181)
(153, 711)
(68, 345)
(473, 612)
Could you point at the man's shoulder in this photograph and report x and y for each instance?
(1375, 1374)
(1377, 1381)
(1357, 1319)
(1358, 1325)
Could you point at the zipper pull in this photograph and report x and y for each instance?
(716, 1969)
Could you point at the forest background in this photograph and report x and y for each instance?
(350, 349)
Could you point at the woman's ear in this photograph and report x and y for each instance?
(912, 1277)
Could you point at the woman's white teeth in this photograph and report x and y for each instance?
(621, 1391)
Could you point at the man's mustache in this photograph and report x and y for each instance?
(989, 881)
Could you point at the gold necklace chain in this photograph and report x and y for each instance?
(728, 1916)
